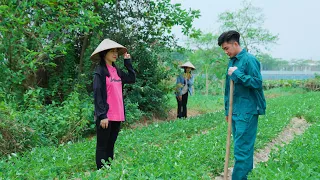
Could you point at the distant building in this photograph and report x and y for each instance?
(274, 75)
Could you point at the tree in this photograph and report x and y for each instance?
(46, 71)
(47, 44)
(248, 21)
(38, 35)
(268, 63)
(144, 27)
(208, 57)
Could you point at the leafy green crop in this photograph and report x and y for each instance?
(309, 84)
(297, 160)
(193, 148)
(200, 103)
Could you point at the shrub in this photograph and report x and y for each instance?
(14, 135)
(133, 112)
(60, 123)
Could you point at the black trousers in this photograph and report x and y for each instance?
(182, 106)
(106, 139)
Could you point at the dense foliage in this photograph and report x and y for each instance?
(46, 80)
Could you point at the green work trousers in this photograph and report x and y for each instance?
(244, 130)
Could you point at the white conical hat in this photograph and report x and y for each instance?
(105, 45)
(188, 64)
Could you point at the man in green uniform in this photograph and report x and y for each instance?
(248, 101)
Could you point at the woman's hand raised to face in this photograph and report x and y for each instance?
(127, 56)
(187, 75)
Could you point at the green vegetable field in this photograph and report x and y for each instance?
(182, 149)
(55, 58)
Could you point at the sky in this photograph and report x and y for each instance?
(297, 23)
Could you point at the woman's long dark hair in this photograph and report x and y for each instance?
(102, 62)
(102, 54)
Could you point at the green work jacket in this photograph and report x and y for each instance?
(248, 96)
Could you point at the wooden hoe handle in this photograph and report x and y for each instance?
(226, 163)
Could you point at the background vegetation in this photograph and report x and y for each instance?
(46, 99)
(46, 81)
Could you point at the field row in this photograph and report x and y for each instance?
(183, 149)
(298, 160)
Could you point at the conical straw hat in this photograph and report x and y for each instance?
(105, 45)
(188, 64)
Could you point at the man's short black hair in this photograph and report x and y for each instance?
(229, 36)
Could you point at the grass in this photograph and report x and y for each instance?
(183, 149)
(297, 160)
(284, 91)
(205, 104)
(200, 103)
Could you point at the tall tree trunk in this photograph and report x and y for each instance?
(194, 80)
(118, 13)
(207, 82)
(83, 49)
(222, 86)
(10, 54)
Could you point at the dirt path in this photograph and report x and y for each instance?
(172, 115)
(296, 127)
